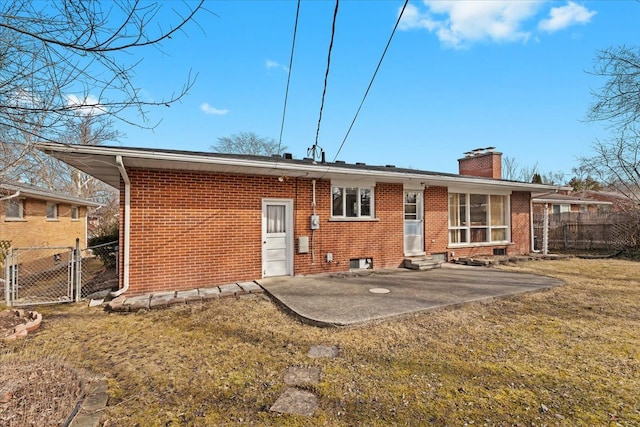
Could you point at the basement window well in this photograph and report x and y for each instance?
(361, 263)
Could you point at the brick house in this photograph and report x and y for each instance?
(192, 219)
(35, 217)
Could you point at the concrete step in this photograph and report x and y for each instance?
(421, 263)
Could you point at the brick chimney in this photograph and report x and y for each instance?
(483, 162)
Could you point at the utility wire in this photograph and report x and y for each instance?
(326, 77)
(372, 79)
(286, 94)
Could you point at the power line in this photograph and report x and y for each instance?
(326, 77)
(372, 79)
(286, 94)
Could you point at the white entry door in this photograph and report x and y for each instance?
(413, 223)
(277, 237)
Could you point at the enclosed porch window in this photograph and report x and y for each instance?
(478, 218)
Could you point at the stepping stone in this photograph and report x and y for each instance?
(295, 401)
(298, 375)
(317, 351)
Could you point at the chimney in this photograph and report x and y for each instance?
(483, 162)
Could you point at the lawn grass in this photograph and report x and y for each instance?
(567, 356)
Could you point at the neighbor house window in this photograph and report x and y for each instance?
(75, 212)
(14, 209)
(52, 211)
(352, 202)
(478, 218)
(563, 208)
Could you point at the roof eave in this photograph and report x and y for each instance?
(81, 158)
(43, 195)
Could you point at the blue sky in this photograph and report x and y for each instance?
(458, 75)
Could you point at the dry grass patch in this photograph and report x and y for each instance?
(568, 356)
(28, 400)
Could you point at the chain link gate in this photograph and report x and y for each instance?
(98, 269)
(41, 276)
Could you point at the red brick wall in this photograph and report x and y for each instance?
(191, 230)
(436, 219)
(381, 239)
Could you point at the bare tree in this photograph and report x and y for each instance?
(513, 171)
(616, 161)
(248, 143)
(618, 100)
(60, 59)
(510, 168)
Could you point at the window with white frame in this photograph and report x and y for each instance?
(52, 211)
(351, 202)
(75, 213)
(14, 209)
(478, 218)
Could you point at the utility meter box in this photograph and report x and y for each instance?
(314, 222)
(303, 244)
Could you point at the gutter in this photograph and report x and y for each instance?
(127, 226)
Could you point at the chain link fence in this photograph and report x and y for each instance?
(39, 275)
(98, 269)
(50, 275)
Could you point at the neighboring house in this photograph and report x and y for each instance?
(558, 204)
(192, 219)
(35, 217)
(617, 201)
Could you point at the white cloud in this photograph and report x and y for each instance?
(460, 23)
(565, 16)
(87, 106)
(270, 64)
(412, 18)
(208, 109)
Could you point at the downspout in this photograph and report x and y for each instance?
(127, 227)
(13, 196)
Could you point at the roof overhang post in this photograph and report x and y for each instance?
(545, 230)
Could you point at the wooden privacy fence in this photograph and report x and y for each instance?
(586, 231)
